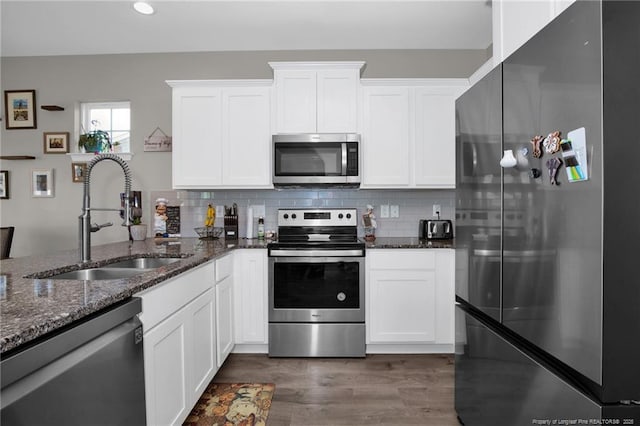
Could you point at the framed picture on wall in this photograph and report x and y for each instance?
(78, 171)
(56, 142)
(42, 183)
(20, 109)
(4, 184)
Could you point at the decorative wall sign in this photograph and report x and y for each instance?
(56, 142)
(158, 143)
(20, 109)
(78, 172)
(4, 184)
(42, 183)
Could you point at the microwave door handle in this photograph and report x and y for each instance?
(344, 159)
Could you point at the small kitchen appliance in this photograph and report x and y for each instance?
(316, 159)
(435, 229)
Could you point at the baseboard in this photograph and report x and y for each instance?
(250, 349)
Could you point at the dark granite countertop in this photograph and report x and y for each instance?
(32, 307)
(408, 243)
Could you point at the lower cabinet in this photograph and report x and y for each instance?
(251, 300)
(224, 308)
(410, 300)
(178, 318)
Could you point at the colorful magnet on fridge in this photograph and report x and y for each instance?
(536, 141)
(535, 173)
(553, 165)
(552, 142)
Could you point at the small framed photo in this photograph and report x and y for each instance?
(78, 171)
(42, 183)
(56, 142)
(4, 184)
(20, 109)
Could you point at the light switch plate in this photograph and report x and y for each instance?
(219, 211)
(395, 211)
(436, 209)
(384, 210)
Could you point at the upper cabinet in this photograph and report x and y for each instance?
(221, 133)
(316, 97)
(516, 21)
(408, 132)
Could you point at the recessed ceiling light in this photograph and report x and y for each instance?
(143, 7)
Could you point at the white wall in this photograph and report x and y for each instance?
(47, 224)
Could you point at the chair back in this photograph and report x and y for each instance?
(6, 237)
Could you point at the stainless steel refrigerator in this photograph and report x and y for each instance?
(547, 287)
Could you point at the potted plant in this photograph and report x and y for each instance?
(138, 230)
(95, 140)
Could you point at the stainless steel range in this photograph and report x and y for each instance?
(316, 285)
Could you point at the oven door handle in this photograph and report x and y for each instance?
(316, 253)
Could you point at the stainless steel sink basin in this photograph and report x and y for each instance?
(99, 274)
(142, 263)
(112, 271)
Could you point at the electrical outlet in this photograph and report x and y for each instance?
(436, 210)
(384, 210)
(395, 211)
(219, 211)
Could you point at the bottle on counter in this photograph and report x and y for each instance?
(261, 228)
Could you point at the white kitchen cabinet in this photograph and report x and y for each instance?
(251, 300)
(316, 97)
(178, 318)
(516, 21)
(224, 308)
(408, 132)
(410, 300)
(221, 133)
(386, 136)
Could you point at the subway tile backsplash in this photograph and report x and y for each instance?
(413, 204)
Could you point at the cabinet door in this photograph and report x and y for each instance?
(197, 137)
(402, 306)
(224, 316)
(202, 326)
(247, 136)
(250, 276)
(165, 371)
(337, 101)
(385, 138)
(295, 101)
(445, 296)
(435, 144)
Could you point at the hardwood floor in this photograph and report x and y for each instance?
(379, 389)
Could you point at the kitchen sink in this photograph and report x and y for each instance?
(142, 263)
(111, 271)
(98, 274)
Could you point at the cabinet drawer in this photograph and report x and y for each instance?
(168, 297)
(401, 259)
(224, 267)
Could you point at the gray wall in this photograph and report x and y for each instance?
(47, 224)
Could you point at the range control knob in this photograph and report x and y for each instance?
(348, 215)
(286, 216)
(293, 216)
(340, 216)
(341, 297)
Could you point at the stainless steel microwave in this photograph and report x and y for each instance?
(316, 159)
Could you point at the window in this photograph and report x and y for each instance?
(111, 117)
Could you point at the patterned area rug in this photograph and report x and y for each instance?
(226, 404)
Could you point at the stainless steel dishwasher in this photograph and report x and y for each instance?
(90, 373)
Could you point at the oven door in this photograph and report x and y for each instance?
(316, 289)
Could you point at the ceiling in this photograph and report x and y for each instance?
(44, 28)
